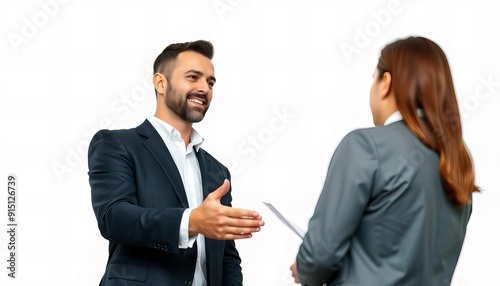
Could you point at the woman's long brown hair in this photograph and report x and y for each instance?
(421, 78)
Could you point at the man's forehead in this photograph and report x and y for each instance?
(192, 60)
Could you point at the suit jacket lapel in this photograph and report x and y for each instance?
(212, 177)
(156, 146)
(208, 184)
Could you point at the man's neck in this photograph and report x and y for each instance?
(179, 124)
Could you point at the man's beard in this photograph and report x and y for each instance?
(179, 104)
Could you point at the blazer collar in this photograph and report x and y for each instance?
(167, 131)
(153, 142)
(209, 171)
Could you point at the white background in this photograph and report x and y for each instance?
(71, 67)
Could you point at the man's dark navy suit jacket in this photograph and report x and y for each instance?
(138, 199)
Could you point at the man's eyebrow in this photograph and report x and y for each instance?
(200, 74)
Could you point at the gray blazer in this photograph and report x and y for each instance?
(383, 217)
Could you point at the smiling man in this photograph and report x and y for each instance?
(162, 201)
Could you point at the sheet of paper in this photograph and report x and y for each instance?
(295, 228)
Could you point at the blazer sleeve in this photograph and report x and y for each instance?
(348, 187)
(114, 199)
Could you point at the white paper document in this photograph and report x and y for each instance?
(295, 228)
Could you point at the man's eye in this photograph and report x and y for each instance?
(192, 76)
(211, 83)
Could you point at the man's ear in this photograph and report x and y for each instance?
(385, 86)
(160, 83)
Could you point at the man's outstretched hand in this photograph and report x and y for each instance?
(216, 221)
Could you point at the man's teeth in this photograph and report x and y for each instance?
(196, 101)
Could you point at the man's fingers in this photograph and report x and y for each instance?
(238, 236)
(221, 191)
(241, 230)
(241, 213)
(244, 222)
(239, 233)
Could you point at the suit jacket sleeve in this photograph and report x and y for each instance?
(114, 199)
(349, 184)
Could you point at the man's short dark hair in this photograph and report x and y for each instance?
(169, 54)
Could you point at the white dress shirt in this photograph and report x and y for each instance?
(396, 116)
(189, 169)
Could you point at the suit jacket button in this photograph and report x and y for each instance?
(188, 283)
